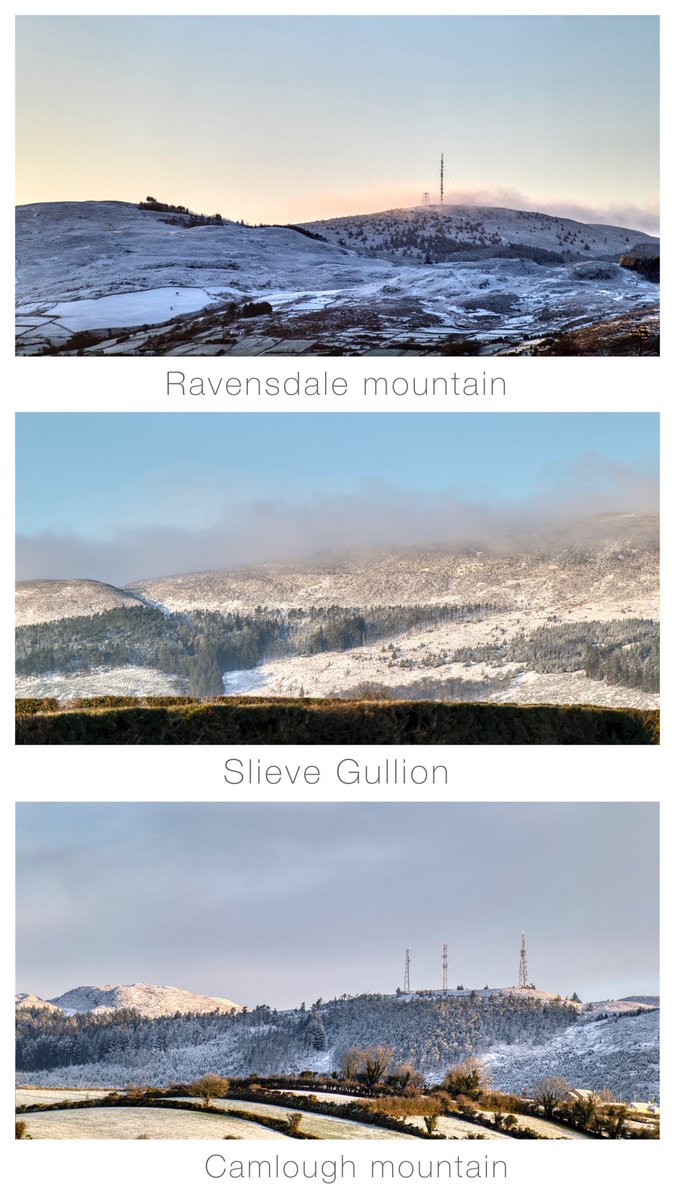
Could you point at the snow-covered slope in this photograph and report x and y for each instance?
(41, 600)
(436, 230)
(431, 622)
(71, 251)
(150, 1000)
(617, 1052)
(407, 280)
(29, 1000)
(612, 562)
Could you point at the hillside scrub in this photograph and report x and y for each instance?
(265, 721)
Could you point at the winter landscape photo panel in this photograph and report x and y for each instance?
(337, 577)
(280, 192)
(276, 1005)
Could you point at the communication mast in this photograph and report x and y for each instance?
(445, 966)
(406, 977)
(522, 973)
(441, 178)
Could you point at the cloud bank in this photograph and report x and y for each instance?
(377, 515)
(323, 205)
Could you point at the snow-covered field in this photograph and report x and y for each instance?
(109, 1123)
(148, 307)
(317, 1124)
(32, 1095)
(118, 681)
(409, 278)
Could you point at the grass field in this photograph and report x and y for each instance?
(317, 1124)
(34, 1095)
(180, 720)
(130, 1123)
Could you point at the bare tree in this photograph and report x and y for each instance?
(549, 1092)
(351, 1063)
(209, 1086)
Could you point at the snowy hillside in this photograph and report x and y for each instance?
(574, 620)
(617, 1052)
(29, 1000)
(150, 1000)
(442, 231)
(41, 600)
(521, 1034)
(601, 561)
(431, 280)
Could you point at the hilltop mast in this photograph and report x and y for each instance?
(406, 976)
(441, 178)
(445, 966)
(522, 972)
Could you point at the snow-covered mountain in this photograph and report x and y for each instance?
(521, 1033)
(148, 999)
(113, 278)
(30, 1000)
(516, 624)
(441, 231)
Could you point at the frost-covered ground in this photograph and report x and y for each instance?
(318, 1124)
(106, 1123)
(401, 282)
(118, 681)
(32, 1095)
(619, 1053)
(129, 308)
(333, 674)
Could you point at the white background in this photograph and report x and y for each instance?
(74, 1170)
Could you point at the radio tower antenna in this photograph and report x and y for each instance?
(522, 973)
(441, 178)
(445, 966)
(406, 977)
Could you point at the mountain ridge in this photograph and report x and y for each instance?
(152, 1000)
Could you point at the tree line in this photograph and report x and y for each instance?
(200, 647)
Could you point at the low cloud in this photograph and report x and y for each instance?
(323, 205)
(378, 515)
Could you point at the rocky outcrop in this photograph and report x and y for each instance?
(645, 258)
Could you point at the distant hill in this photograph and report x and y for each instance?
(150, 1000)
(29, 1000)
(444, 232)
(42, 600)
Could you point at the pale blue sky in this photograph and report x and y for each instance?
(295, 118)
(287, 902)
(120, 496)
